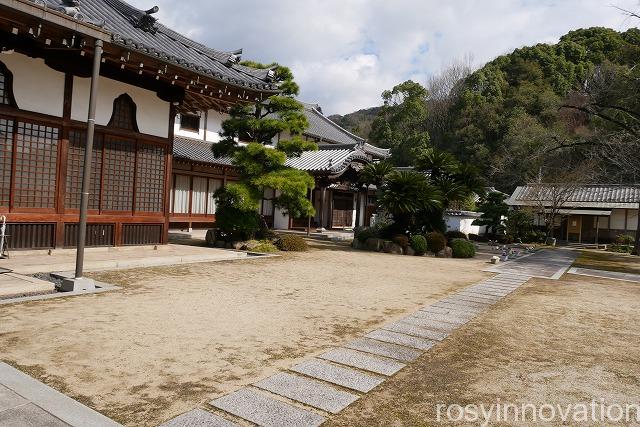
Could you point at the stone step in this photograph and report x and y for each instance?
(339, 375)
(364, 361)
(400, 339)
(309, 392)
(394, 351)
(198, 418)
(431, 324)
(266, 411)
(417, 331)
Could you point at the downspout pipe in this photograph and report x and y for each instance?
(88, 153)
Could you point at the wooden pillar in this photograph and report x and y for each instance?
(323, 192)
(636, 250)
(597, 231)
(168, 177)
(358, 208)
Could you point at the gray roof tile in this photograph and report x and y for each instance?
(120, 20)
(587, 196)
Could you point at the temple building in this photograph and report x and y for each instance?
(149, 171)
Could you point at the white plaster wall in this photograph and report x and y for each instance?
(152, 112)
(36, 87)
(214, 125)
(465, 225)
(188, 133)
(280, 219)
(632, 221)
(617, 219)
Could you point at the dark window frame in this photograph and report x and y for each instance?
(189, 127)
(120, 105)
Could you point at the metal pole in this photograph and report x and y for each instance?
(88, 154)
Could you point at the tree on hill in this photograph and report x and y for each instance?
(260, 165)
(401, 123)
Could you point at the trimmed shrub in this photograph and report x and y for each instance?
(455, 234)
(400, 240)
(291, 243)
(474, 237)
(265, 246)
(419, 244)
(436, 242)
(462, 248)
(362, 234)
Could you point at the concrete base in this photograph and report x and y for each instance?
(75, 285)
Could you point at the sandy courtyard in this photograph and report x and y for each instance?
(176, 337)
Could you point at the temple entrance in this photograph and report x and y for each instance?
(342, 212)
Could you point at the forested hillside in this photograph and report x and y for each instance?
(358, 122)
(537, 113)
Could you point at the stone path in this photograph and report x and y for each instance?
(547, 264)
(25, 401)
(325, 385)
(614, 275)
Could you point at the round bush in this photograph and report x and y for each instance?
(455, 234)
(265, 246)
(436, 241)
(401, 240)
(291, 243)
(462, 248)
(364, 233)
(419, 244)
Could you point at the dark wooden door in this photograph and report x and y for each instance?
(342, 214)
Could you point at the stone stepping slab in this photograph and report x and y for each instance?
(363, 361)
(401, 339)
(309, 392)
(434, 325)
(379, 348)
(449, 310)
(498, 286)
(472, 311)
(479, 295)
(504, 283)
(446, 318)
(409, 329)
(490, 291)
(198, 418)
(266, 411)
(339, 375)
(473, 299)
(461, 305)
(462, 301)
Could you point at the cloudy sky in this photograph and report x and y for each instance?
(344, 53)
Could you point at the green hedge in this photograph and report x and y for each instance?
(419, 244)
(436, 242)
(462, 248)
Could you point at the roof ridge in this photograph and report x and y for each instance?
(358, 138)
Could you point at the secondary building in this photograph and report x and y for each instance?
(339, 199)
(585, 213)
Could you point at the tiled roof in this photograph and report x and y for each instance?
(327, 160)
(197, 150)
(327, 131)
(138, 30)
(585, 196)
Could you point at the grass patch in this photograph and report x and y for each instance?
(608, 261)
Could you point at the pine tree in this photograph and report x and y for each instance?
(247, 137)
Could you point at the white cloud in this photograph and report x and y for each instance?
(344, 53)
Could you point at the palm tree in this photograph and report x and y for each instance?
(376, 173)
(437, 163)
(406, 196)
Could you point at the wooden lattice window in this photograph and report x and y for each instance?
(150, 178)
(75, 165)
(6, 86)
(118, 174)
(6, 156)
(36, 165)
(124, 113)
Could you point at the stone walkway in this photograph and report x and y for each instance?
(546, 264)
(614, 275)
(312, 390)
(25, 401)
